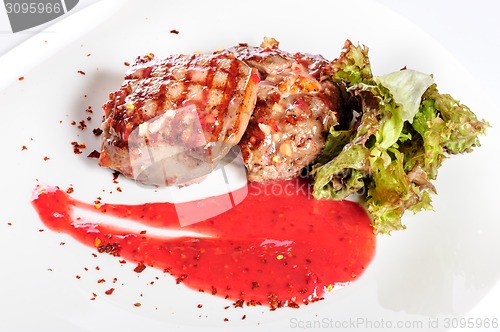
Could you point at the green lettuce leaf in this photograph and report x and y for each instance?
(407, 87)
(462, 124)
(401, 132)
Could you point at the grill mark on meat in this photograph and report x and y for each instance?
(184, 81)
(161, 97)
(230, 86)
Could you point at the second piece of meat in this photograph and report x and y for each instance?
(294, 110)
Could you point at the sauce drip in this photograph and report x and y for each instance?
(276, 248)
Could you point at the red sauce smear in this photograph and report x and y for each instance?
(276, 248)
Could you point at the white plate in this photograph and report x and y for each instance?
(441, 266)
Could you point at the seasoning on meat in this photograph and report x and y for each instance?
(294, 110)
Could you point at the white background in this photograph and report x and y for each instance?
(468, 29)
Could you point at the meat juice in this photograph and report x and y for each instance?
(278, 247)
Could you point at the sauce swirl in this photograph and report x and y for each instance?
(278, 247)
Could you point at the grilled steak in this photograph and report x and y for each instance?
(173, 119)
(293, 112)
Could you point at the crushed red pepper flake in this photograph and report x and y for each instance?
(81, 72)
(238, 303)
(274, 303)
(199, 305)
(174, 31)
(252, 303)
(101, 281)
(82, 125)
(24, 148)
(77, 277)
(46, 158)
(126, 63)
(70, 190)
(77, 147)
(89, 118)
(89, 108)
(122, 261)
(94, 154)
(180, 278)
(109, 248)
(73, 123)
(243, 317)
(116, 174)
(119, 189)
(137, 304)
(109, 291)
(21, 78)
(226, 320)
(97, 131)
(140, 267)
(62, 243)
